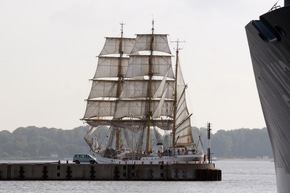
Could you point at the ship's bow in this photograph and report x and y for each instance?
(269, 43)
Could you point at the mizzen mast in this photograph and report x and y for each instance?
(175, 93)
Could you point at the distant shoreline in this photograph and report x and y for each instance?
(245, 159)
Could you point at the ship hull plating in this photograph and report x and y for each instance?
(269, 43)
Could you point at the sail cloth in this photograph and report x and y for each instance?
(160, 92)
(113, 59)
(114, 55)
(139, 65)
(100, 108)
(109, 66)
(137, 108)
(158, 110)
(134, 99)
(143, 43)
(127, 60)
(112, 45)
(103, 88)
(161, 87)
(183, 124)
(138, 89)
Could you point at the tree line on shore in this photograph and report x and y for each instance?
(50, 143)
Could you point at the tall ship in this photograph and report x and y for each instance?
(269, 43)
(136, 108)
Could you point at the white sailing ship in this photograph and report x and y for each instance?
(136, 108)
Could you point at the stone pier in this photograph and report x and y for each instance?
(71, 171)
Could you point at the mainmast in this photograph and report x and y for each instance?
(120, 82)
(149, 92)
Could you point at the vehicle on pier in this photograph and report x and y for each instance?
(84, 158)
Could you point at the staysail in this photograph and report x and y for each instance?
(182, 123)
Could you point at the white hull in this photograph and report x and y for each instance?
(190, 158)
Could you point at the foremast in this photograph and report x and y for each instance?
(107, 86)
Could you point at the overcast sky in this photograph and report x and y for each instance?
(48, 53)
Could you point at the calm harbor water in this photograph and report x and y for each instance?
(239, 176)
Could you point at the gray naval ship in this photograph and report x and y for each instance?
(269, 43)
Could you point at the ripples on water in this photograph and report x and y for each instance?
(237, 177)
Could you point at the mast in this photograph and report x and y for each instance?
(175, 96)
(149, 92)
(120, 81)
(133, 103)
(107, 86)
(181, 132)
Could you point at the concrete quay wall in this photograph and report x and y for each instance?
(71, 171)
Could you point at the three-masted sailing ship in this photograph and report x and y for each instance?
(137, 104)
